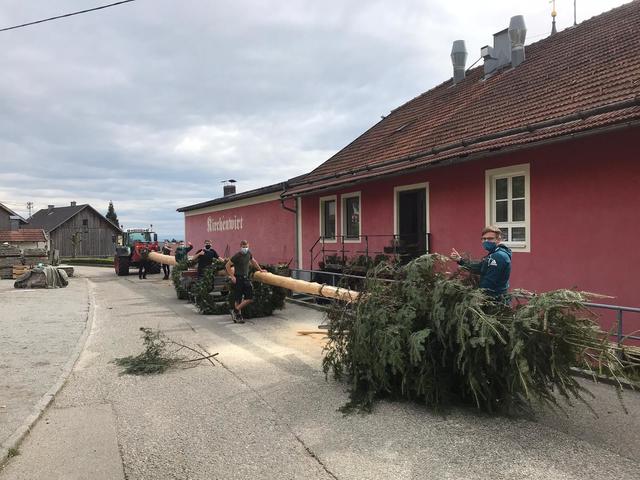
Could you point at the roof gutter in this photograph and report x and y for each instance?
(467, 158)
(581, 115)
(292, 210)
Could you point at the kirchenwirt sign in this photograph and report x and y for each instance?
(222, 224)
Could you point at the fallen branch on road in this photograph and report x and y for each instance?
(160, 354)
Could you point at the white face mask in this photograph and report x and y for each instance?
(244, 249)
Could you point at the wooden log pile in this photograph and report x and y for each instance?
(9, 256)
(14, 262)
(34, 256)
(19, 270)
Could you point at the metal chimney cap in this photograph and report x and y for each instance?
(517, 30)
(459, 60)
(458, 47)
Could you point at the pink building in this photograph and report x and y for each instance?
(541, 140)
(258, 216)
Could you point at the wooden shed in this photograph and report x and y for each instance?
(10, 220)
(77, 230)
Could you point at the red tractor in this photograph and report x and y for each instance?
(130, 248)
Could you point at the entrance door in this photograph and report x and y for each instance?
(412, 221)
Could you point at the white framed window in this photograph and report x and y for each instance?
(351, 216)
(507, 204)
(328, 219)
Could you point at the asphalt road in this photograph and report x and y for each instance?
(266, 411)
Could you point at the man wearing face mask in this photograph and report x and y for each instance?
(495, 268)
(244, 290)
(205, 257)
(182, 250)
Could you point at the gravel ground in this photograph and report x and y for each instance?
(266, 411)
(38, 330)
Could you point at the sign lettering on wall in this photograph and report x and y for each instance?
(222, 224)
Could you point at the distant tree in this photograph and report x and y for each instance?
(76, 240)
(111, 214)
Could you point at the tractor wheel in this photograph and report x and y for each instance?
(122, 266)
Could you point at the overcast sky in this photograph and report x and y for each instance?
(153, 103)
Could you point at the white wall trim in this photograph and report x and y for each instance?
(245, 202)
(321, 200)
(512, 170)
(343, 231)
(402, 188)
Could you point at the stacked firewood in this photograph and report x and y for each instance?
(34, 256)
(9, 256)
(14, 262)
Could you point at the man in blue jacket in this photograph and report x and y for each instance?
(495, 268)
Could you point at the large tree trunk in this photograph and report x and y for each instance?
(301, 286)
(289, 283)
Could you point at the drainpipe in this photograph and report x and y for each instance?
(295, 212)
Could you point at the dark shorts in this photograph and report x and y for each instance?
(243, 289)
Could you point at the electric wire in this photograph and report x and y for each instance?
(65, 15)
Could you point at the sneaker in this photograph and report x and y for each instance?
(239, 317)
(233, 315)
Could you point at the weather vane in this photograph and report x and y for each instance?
(553, 16)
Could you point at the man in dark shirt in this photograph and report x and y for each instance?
(182, 250)
(205, 257)
(241, 262)
(142, 265)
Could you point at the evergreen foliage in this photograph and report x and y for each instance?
(154, 359)
(433, 337)
(267, 298)
(160, 353)
(111, 215)
(178, 283)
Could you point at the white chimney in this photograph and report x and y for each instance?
(517, 34)
(459, 60)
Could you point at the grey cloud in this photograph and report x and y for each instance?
(153, 103)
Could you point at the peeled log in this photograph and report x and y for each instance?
(160, 258)
(299, 286)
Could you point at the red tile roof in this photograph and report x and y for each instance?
(583, 78)
(26, 235)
